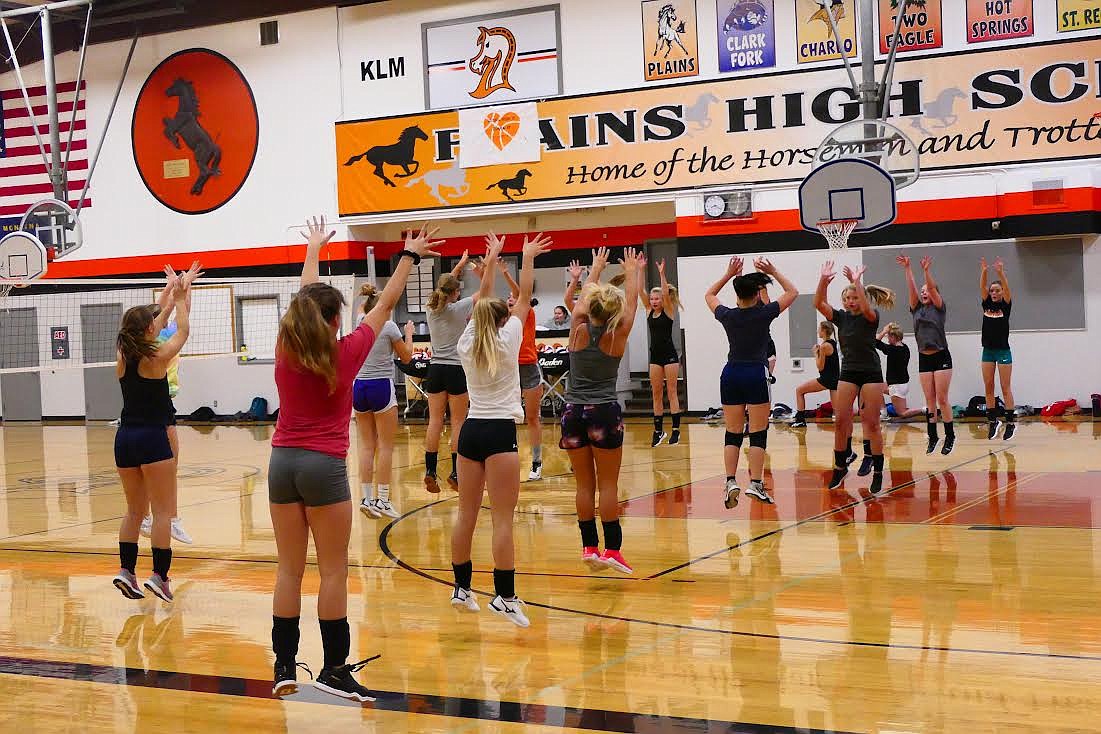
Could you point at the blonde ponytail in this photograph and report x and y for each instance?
(304, 332)
(880, 296)
(446, 286)
(486, 352)
(369, 294)
(605, 304)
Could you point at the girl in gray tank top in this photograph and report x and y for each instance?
(592, 422)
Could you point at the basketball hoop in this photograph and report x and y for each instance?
(837, 231)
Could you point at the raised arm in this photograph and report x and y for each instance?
(533, 248)
(513, 286)
(666, 297)
(633, 262)
(984, 283)
(790, 291)
(168, 351)
(855, 277)
(911, 286)
(315, 240)
(999, 268)
(733, 270)
(417, 246)
(600, 262)
(404, 347)
(820, 295)
(460, 266)
(571, 288)
(494, 245)
(934, 292)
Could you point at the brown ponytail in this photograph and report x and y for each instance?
(304, 332)
(132, 341)
(369, 294)
(446, 286)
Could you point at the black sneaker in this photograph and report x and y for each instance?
(799, 422)
(933, 443)
(658, 437)
(453, 480)
(675, 438)
(992, 430)
(838, 477)
(851, 458)
(949, 445)
(286, 677)
(1010, 429)
(339, 681)
(877, 483)
(865, 466)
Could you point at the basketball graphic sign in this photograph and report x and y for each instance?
(195, 131)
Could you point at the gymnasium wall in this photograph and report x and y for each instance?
(1050, 364)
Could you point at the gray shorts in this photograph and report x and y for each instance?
(309, 477)
(530, 376)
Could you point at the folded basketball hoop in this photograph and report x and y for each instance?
(837, 231)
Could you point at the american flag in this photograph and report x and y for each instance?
(23, 177)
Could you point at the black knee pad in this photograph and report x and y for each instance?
(734, 439)
(759, 439)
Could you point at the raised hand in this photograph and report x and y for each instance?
(765, 266)
(541, 244)
(903, 260)
(853, 276)
(999, 265)
(661, 266)
(494, 244)
(982, 264)
(422, 243)
(193, 273)
(409, 329)
(464, 259)
(600, 257)
(926, 263)
(734, 267)
(827, 274)
(170, 278)
(631, 260)
(574, 269)
(315, 232)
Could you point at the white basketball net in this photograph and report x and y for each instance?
(837, 231)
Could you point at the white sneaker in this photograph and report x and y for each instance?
(147, 526)
(730, 500)
(464, 600)
(370, 508)
(757, 491)
(178, 532)
(536, 471)
(385, 508)
(510, 609)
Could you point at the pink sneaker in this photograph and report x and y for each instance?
(591, 558)
(615, 559)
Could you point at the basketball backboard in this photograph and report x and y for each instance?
(848, 189)
(22, 257)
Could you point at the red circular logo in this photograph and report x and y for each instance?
(195, 131)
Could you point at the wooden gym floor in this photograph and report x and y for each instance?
(965, 598)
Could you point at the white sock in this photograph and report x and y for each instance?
(368, 490)
(384, 492)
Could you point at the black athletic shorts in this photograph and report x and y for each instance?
(481, 438)
(141, 445)
(862, 378)
(744, 383)
(827, 383)
(448, 378)
(663, 357)
(935, 362)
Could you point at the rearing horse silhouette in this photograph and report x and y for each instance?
(400, 154)
(208, 155)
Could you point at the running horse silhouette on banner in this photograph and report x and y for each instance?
(208, 155)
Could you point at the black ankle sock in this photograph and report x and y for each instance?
(950, 431)
(840, 459)
(430, 459)
(454, 463)
(1010, 415)
(284, 638)
(613, 535)
(162, 561)
(877, 463)
(849, 446)
(589, 537)
(128, 556)
(659, 421)
(463, 574)
(676, 421)
(931, 426)
(867, 447)
(336, 638)
(504, 582)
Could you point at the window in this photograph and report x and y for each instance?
(259, 320)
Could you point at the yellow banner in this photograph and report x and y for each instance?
(1079, 15)
(988, 107)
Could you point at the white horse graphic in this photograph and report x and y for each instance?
(668, 34)
(493, 62)
(453, 178)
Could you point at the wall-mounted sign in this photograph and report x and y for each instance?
(747, 34)
(670, 48)
(502, 57)
(59, 342)
(195, 131)
(922, 25)
(378, 69)
(963, 109)
(1079, 15)
(815, 34)
(997, 20)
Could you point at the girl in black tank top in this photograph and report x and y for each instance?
(662, 305)
(145, 442)
(828, 362)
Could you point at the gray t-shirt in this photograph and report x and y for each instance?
(857, 337)
(379, 364)
(929, 326)
(446, 326)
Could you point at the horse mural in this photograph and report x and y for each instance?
(517, 183)
(185, 125)
(699, 112)
(493, 62)
(453, 178)
(941, 109)
(668, 34)
(400, 154)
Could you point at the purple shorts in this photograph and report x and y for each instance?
(373, 396)
(599, 426)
